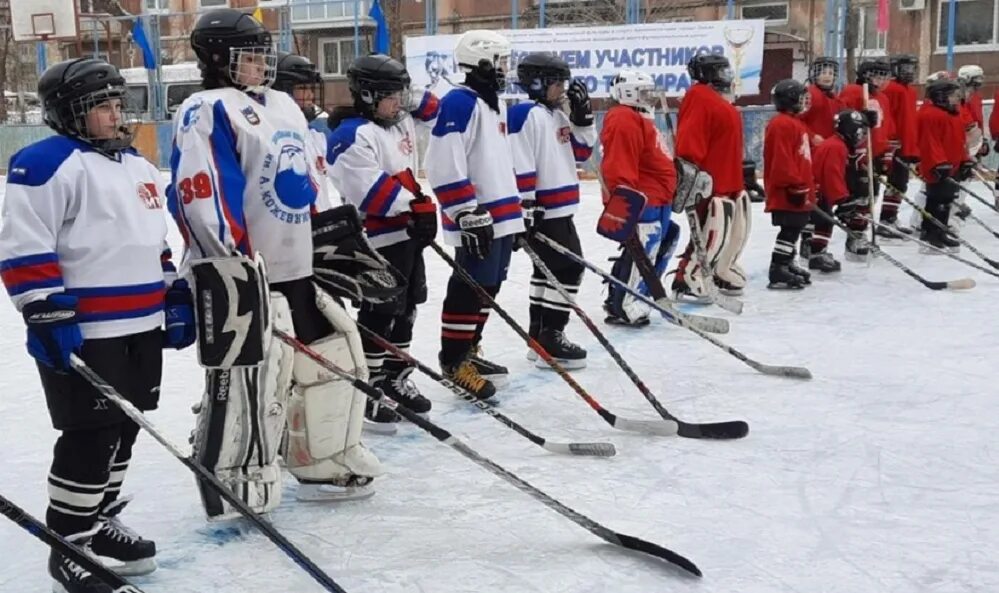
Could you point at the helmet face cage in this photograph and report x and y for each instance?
(904, 70)
(537, 81)
(371, 96)
(850, 125)
(109, 106)
(310, 97)
(821, 68)
(254, 67)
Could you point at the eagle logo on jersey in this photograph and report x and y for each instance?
(563, 135)
(250, 115)
(147, 193)
(191, 116)
(286, 183)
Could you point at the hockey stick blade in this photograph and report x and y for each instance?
(587, 449)
(735, 429)
(713, 325)
(640, 545)
(962, 284)
(782, 371)
(662, 428)
(730, 304)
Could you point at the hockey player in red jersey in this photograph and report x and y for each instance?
(787, 178)
(840, 171)
(902, 101)
(547, 144)
(709, 135)
(971, 78)
(822, 104)
(635, 156)
(82, 256)
(944, 158)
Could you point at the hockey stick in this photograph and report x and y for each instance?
(939, 250)
(927, 216)
(981, 178)
(59, 544)
(792, 372)
(961, 284)
(981, 223)
(656, 427)
(442, 435)
(207, 477)
(591, 449)
(735, 429)
(872, 198)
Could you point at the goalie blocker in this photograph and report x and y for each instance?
(257, 388)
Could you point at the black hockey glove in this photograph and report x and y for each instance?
(179, 312)
(871, 117)
(533, 215)
(476, 231)
(965, 172)
(422, 225)
(580, 111)
(942, 171)
(53, 330)
(984, 150)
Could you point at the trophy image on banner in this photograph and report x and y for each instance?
(738, 37)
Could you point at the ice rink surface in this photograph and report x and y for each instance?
(878, 476)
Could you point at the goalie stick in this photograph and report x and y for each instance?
(442, 435)
(59, 544)
(206, 477)
(791, 372)
(734, 429)
(960, 284)
(591, 449)
(656, 427)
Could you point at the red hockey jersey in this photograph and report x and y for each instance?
(941, 140)
(974, 103)
(821, 113)
(709, 134)
(829, 167)
(852, 97)
(787, 163)
(635, 155)
(902, 104)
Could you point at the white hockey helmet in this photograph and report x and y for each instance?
(635, 89)
(475, 46)
(971, 75)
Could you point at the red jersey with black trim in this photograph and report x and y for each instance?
(829, 163)
(635, 155)
(902, 103)
(941, 140)
(821, 112)
(852, 97)
(787, 163)
(709, 134)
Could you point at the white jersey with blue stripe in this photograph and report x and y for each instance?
(79, 222)
(546, 148)
(244, 179)
(365, 159)
(469, 164)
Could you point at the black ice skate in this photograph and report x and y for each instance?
(380, 416)
(567, 354)
(891, 228)
(497, 374)
(793, 267)
(939, 239)
(824, 262)
(857, 249)
(133, 555)
(407, 393)
(781, 278)
(69, 576)
(466, 375)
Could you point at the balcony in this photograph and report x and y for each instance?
(321, 14)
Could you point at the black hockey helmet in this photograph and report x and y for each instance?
(820, 65)
(294, 71)
(904, 67)
(69, 90)
(538, 71)
(851, 127)
(870, 68)
(218, 39)
(711, 69)
(787, 96)
(939, 93)
(372, 78)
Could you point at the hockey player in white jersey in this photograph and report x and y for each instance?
(470, 168)
(242, 189)
(547, 144)
(299, 78)
(372, 158)
(83, 256)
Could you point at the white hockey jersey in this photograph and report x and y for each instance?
(94, 227)
(365, 159)
(244, 178)
(546, 147)
(468, 164)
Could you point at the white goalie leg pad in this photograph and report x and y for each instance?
(728, 268)
(326, 412)
(241, 421)
(715, 237)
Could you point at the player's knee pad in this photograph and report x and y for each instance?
(241, 422)
(326, 412)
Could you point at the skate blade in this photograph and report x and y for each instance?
(565, 363)
(332, 493)
(383, 428)
(785, 286)
(611, 320)
(532, 355)
(856, 257)
(498, 380)
(132, 568)
(732, 292)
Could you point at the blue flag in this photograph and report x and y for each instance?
(381, 28)
(140, 39)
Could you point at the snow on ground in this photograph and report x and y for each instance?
(880, 475)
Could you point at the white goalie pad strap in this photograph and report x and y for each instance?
(241, 421)
(728, 268)
(322, 407)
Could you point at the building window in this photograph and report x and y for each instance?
(157, 6)
(318, 10)
(335, 55)
(775, 13)
(869, 41)
(974, 25)
(214, 3)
